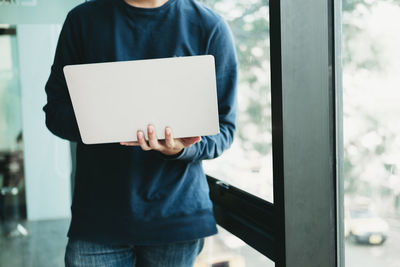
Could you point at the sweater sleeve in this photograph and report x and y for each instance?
(60, 116)
(221, 46)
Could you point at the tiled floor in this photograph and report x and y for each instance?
(43, 247)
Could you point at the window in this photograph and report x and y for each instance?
(371, 132)
(12, 180)
(306, 142)
(10, 95)
(248, 163)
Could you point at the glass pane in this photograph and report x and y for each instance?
(226, 250)
(33, 164)
(248, 163)
(12, 181)
(371, 81)
(10, 95)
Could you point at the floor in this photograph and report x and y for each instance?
(44, 246)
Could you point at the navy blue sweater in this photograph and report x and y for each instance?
(123, 194)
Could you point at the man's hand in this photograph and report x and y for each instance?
(169, 146)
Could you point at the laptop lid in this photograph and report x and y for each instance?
(112, 101)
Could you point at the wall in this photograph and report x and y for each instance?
(47, 158)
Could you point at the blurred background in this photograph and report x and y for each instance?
(36, 167)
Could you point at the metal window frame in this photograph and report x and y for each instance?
(244, 215)
(304, 226)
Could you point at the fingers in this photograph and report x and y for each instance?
(169, 139)
(129, 143)
(143, 144)
(153, 141)
(169, 145)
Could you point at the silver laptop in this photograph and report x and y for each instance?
(112, 101)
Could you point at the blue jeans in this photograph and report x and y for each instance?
(84, 254)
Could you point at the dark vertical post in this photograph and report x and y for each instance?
(306, 110)
(277, 130)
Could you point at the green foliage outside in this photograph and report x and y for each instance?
(249, 23)
(370, 144)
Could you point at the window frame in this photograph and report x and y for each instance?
(281, 230)
(244, 215)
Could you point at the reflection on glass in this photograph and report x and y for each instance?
(371, 79)
(12, 186)
(248, 163)
(10, 97)
(225, 250)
